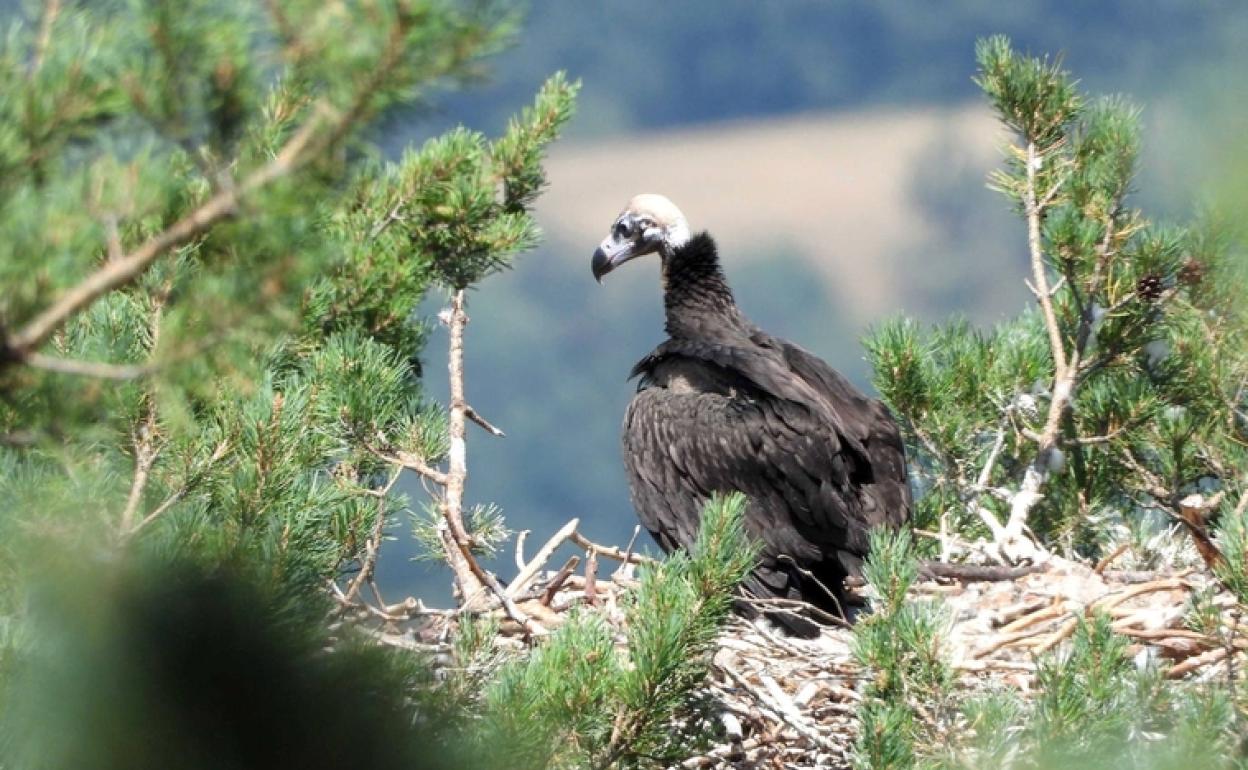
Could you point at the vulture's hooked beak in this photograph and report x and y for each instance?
(612, 253)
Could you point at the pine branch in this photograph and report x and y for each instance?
(124, 270)
(98, 369)
(218, 453)
(372, 546)
(458, 552)
(51, 11)
(305, 144)
(146, 447)
(145, 451)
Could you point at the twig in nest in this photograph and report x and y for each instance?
(1197, 661)
(1007, 639)
(722, 753)
(1008, 615)
(530, 570)
(556, 582)
(591, 578)
(1113, 600)
(1055, 610)
(531, 626)
(777, 710)
(1104, 563)
(628, 551)
(611, 552)
(1062, 633)
(784, 557)
(797, 607)
(973, 573)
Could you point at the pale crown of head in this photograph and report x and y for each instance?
(659, 221)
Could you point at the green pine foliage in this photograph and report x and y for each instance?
(1095, 704)
(578, 702)
(1120, 393)
(1097, 707)
(215, 400)
(901, 646)
(1116, 397)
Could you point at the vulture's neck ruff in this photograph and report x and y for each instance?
(696, 297)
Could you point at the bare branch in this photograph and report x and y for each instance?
(412, 463)
(520, 538)
(471, 414)
(372, 546)
(98, 369)
(530, 570)
(51, 10)
(1034, 210)
(145, 451)
(611, 552)
(985, 475)
(386, 221)
(1012, 541)
(146, 446)
(467, 579)
(181, 492)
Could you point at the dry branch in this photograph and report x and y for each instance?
(611, 552)
(530, 570)
(973, 572)
(372, 546)
(98, 369)
(458, 546)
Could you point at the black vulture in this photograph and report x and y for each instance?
(721, 405)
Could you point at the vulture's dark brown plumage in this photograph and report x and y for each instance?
(721, 405)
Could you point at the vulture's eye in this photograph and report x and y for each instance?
(623, 229)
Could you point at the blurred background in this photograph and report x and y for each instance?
(837, 152)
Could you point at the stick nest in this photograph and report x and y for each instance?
(782, 701)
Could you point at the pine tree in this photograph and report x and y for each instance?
(1119, 395)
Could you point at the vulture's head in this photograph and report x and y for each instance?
(649, 224)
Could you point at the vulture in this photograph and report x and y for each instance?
(721, 405)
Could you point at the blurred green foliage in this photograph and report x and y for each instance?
(147, 662)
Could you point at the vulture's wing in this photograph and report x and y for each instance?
(680, 447)
(769, 370)
(865, 419)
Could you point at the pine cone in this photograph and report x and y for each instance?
(1149, 287)
(1192, 273)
